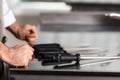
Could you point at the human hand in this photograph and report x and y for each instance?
(19, 55)
(28, 33)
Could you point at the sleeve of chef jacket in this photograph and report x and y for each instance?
(7, 15)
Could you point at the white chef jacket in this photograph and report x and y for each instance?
(8, 17)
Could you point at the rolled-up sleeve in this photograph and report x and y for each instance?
(7, 15)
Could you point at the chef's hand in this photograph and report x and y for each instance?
(28, 33)
(19, 55)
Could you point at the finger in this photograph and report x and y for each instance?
(31, 38)
(32, 49)
(31, 44)
(31, 41)
(26, 61)
(28, 47)
(31, 29)
(26, 65)
(32, 35)
(30, 58)
(31, 54)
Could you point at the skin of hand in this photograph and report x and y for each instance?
(27, 32)
(20, 55)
